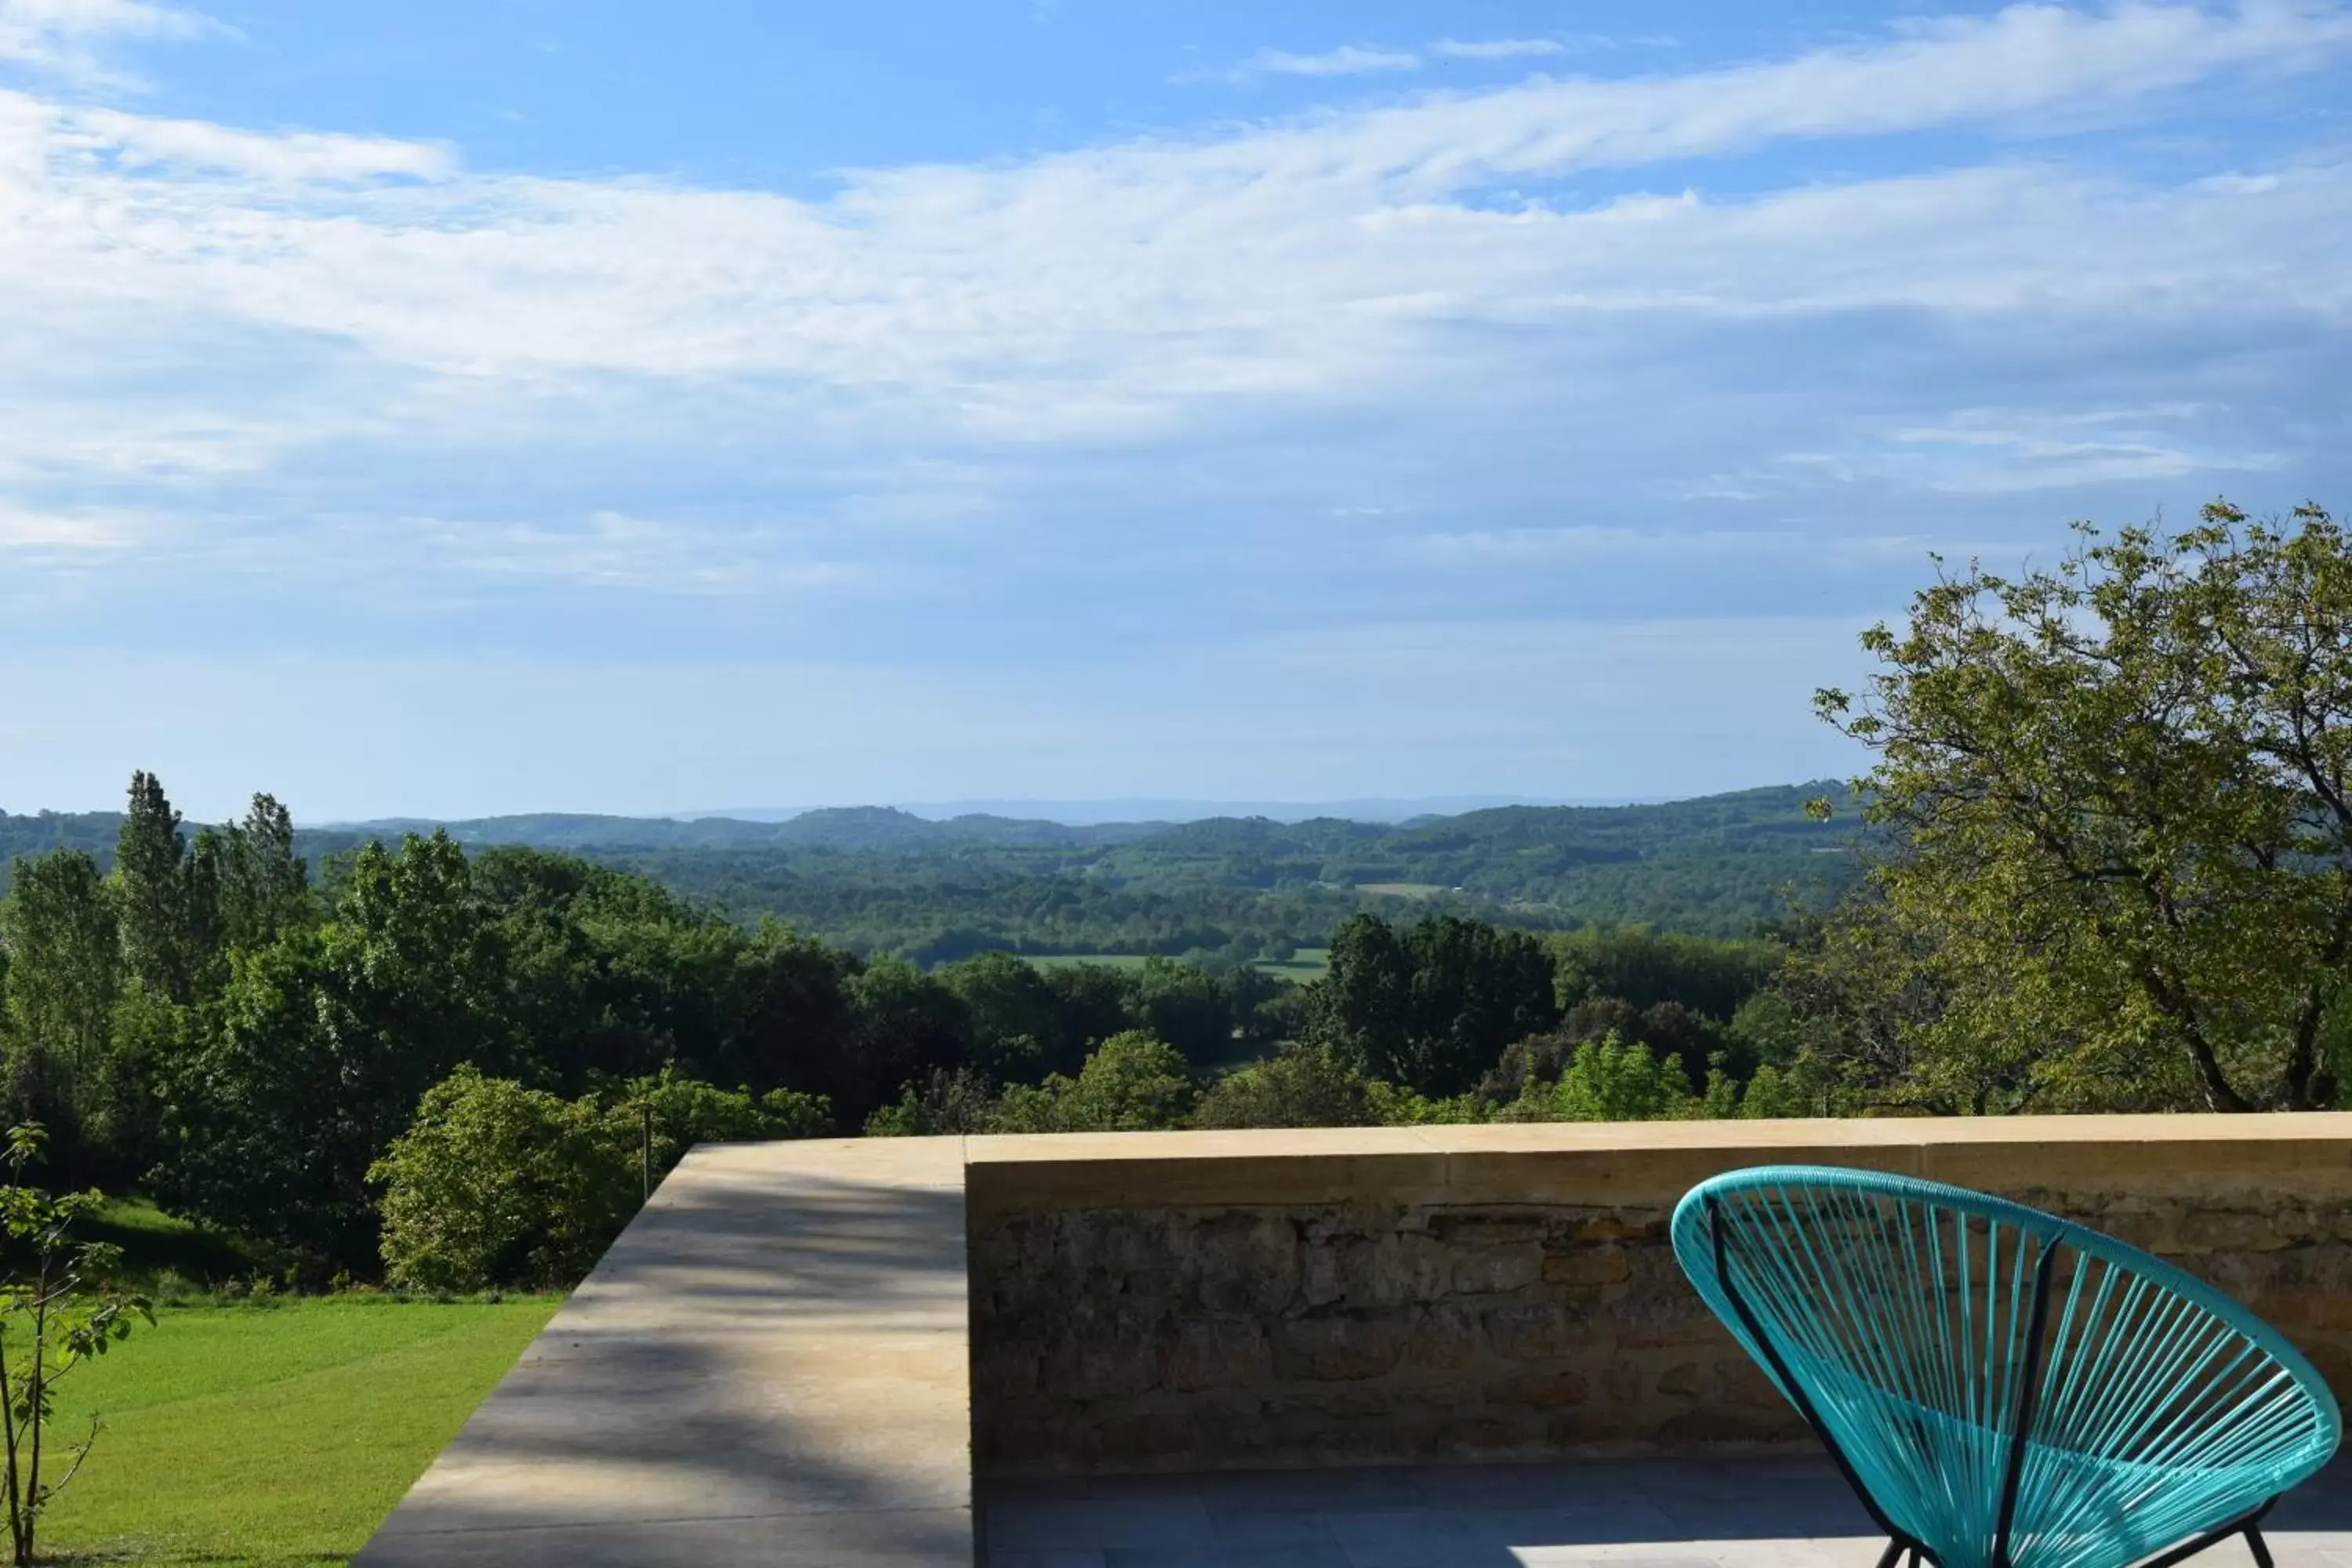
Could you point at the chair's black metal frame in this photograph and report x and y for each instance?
(1898, 1543)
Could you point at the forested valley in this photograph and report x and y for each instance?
(454, 1066)
(332, 1057)
(882, 882)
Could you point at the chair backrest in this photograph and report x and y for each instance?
(1919, 1321)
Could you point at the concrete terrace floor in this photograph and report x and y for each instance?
(1782, 1511)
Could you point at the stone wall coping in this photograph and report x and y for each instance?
(1795, 1134)
(1646, 1164)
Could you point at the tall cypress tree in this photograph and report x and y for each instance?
(150, 855)
(264, 887)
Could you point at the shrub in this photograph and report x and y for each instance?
(1134, 1082)
(947, 1102)
(498, 1185)
(1305, 1086)
(1615, 1079)
(495, 1185)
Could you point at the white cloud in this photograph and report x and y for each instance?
(1498, 49)
(374, 292)
(62, 37)
(2036, 451)
(1096, 286)
(1350, 59)
(614, 550)
(138, 143)
(24, 532)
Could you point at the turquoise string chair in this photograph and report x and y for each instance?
(2003, 1388)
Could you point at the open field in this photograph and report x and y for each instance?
(1307, 964)
(274, 1436)
(1405, 889)
(1107, 959)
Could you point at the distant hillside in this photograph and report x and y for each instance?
(44, 831)
(885, 879)
(839, 827)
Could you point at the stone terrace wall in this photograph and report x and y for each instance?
(1181, 1301)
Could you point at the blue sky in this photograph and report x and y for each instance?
(527, 404)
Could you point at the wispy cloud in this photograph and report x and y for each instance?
(310, 325)
(139, 143)
(616, 551)
(1349, 59)
(63, 38)
(63, 532)
(1496, 49)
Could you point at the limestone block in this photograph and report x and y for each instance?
(1338, 1348)
(1495, 1271)
(1217, 1353)
(1548, 1391)
(1537, 1331)
(1586, 1266)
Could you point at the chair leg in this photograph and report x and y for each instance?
(1886, 1558)
(2259, 1546)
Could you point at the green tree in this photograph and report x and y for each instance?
(1132, 1083)
(908, 1025)
(794, 1022)
(1432, 1008)
(685, 1111)
(1611, 1079)
(2122, 794)
(494, 1183)
(1305, 1085)
(497, 1184)
(1644, 968)
(265, 886)
(57, 1312)
(945, 1103)
(1010, 1010)
(1093, 1002)
(316, 1051)
(166, 899)
(64, 974)
(1183, 1004)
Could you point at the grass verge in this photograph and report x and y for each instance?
(273, 1436)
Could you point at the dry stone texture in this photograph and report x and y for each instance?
(1145, 1337)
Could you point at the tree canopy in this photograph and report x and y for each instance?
(2120, 790)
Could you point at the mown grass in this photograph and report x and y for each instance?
(277, 1435)
(162, 1253)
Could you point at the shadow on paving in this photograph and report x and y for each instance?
(720, 1390)
(1786, 1510)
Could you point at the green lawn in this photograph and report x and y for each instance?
(1107, 959)
(274, 1436)
(161, 1252)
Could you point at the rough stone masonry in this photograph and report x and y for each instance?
(1125, 1334)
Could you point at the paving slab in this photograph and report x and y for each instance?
(1767, 1510)
(769, 1367)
